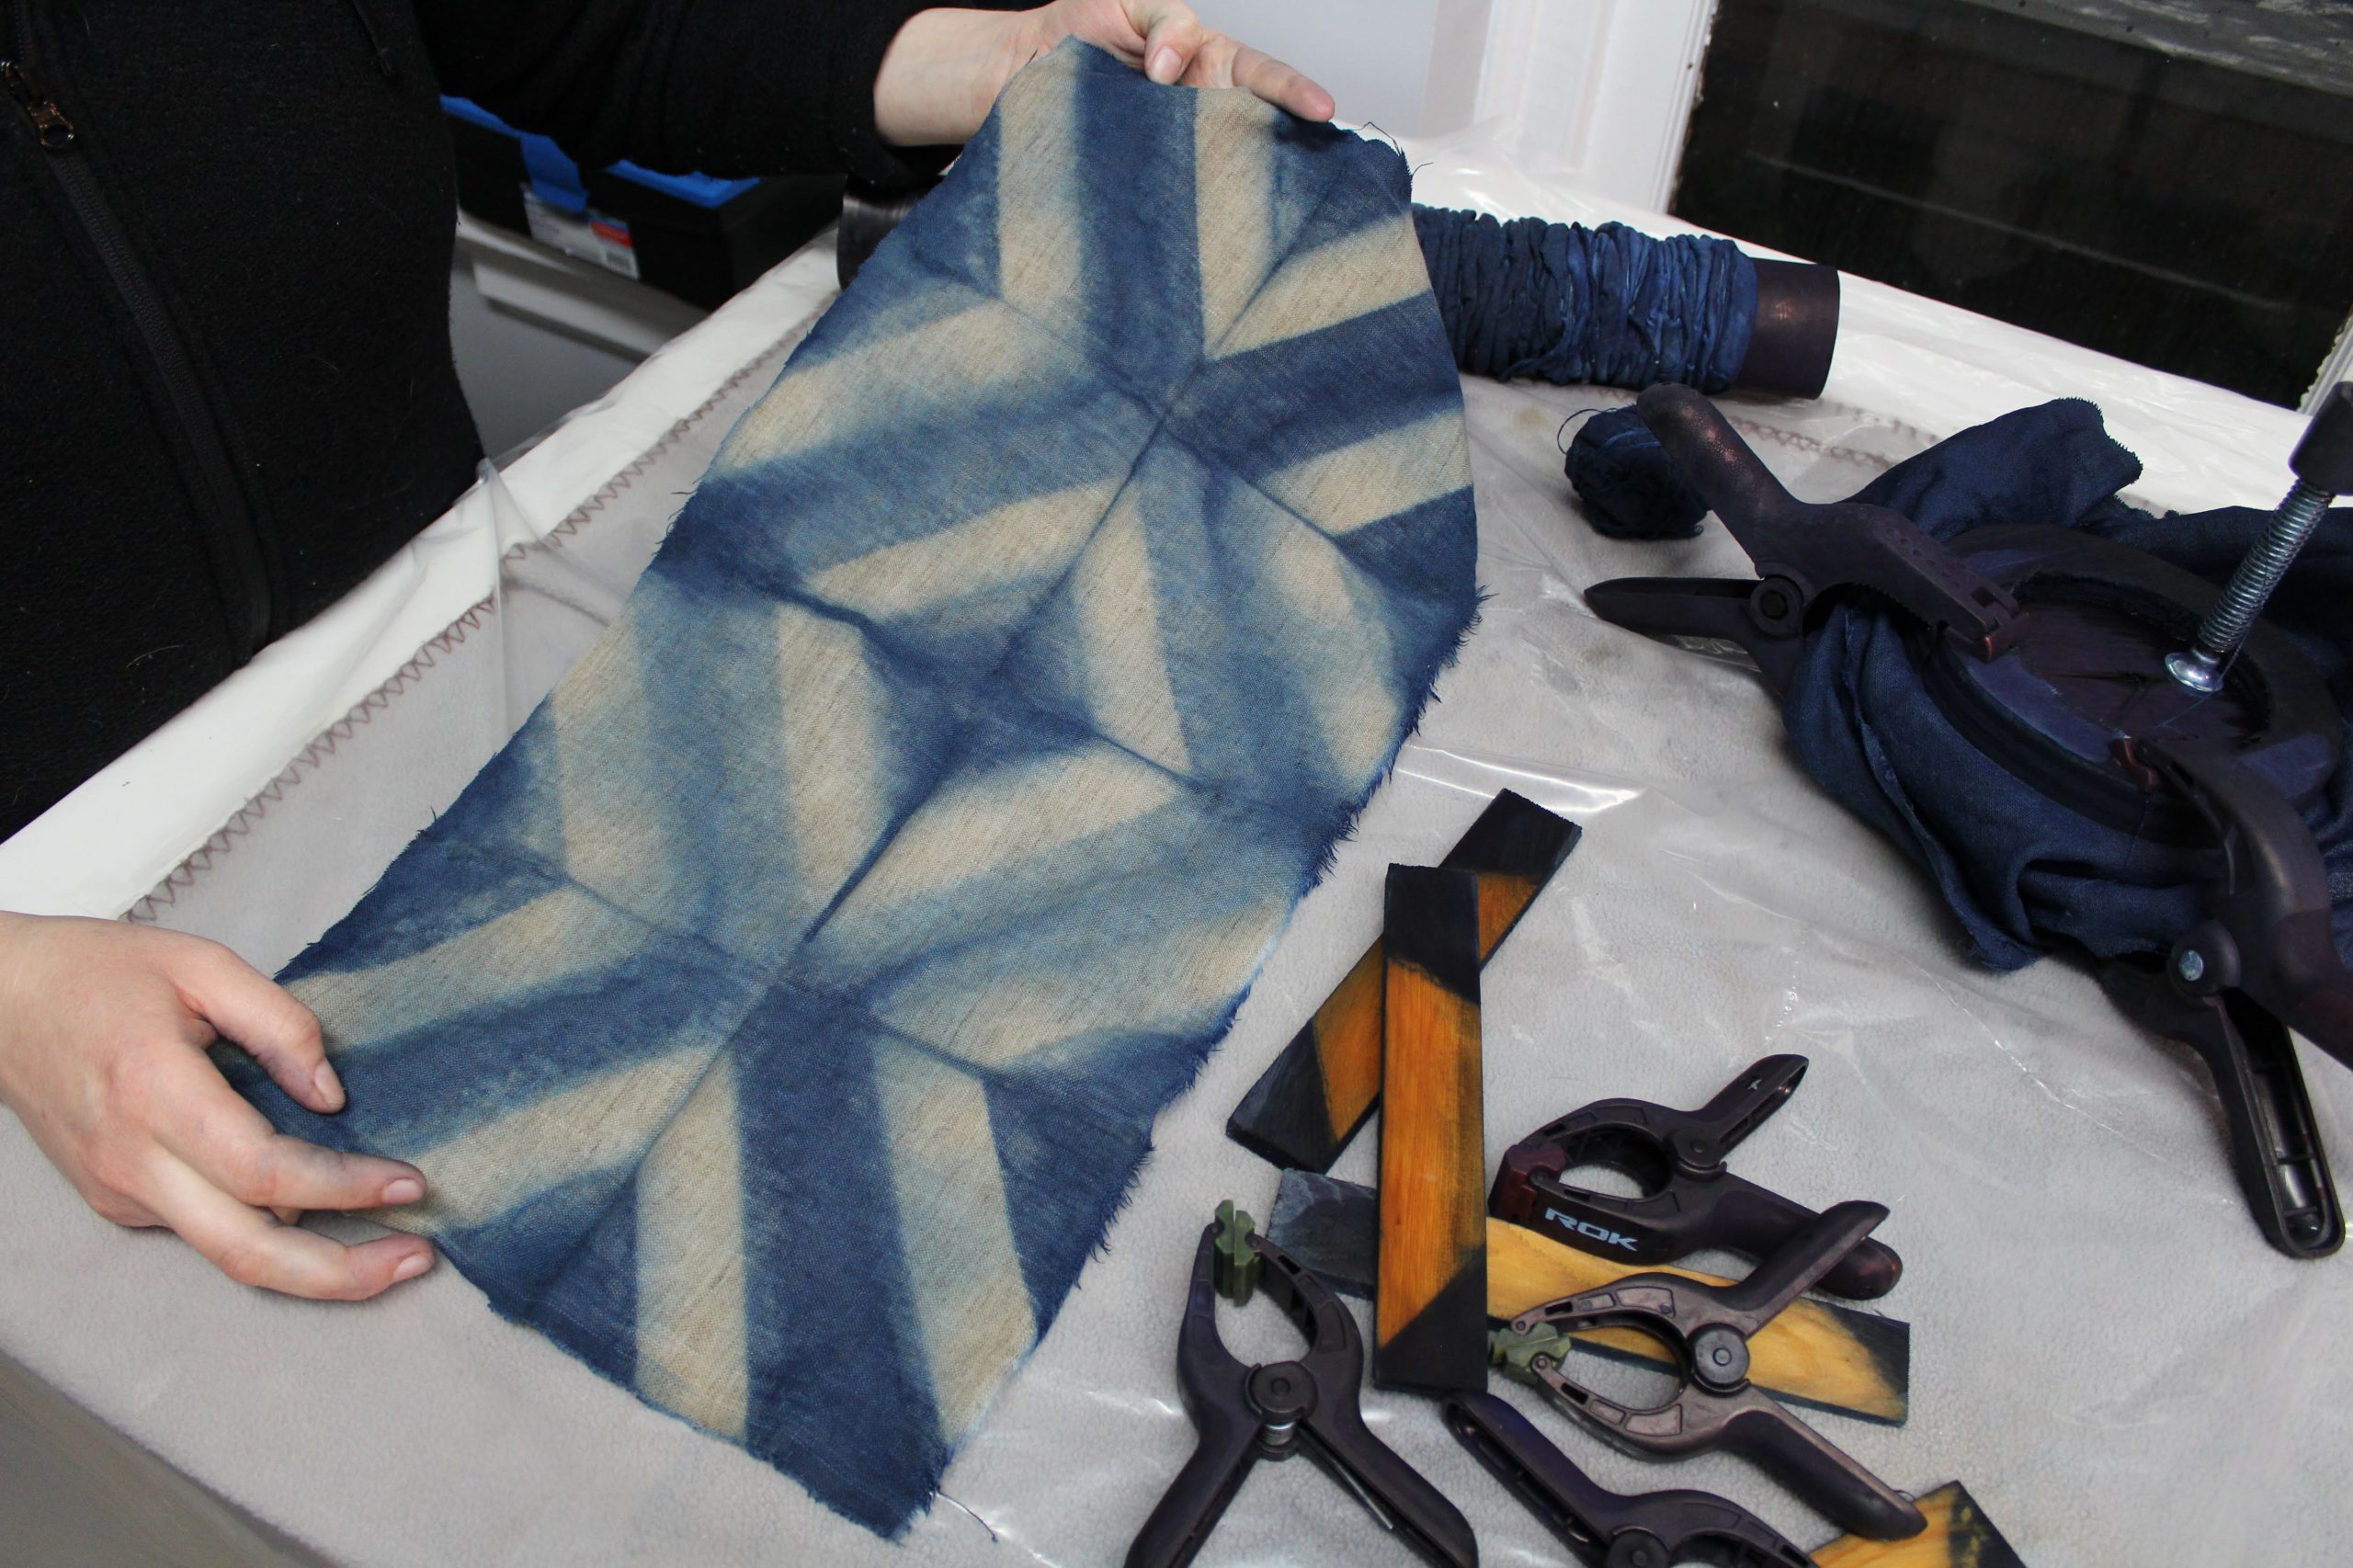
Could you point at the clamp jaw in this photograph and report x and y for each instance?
(1690, 1202)
(1714, 1405)
(1802, 552)
(1245, 1414)
(1605, 1529)
(2263, 962)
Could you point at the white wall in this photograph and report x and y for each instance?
(1374, 55)
(1593, 92)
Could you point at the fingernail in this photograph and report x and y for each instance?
(412, 1265)
(403, 1189)
(1164, 65)
(329, 1086)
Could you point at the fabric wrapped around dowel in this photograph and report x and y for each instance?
(781, 1016)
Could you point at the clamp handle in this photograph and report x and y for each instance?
(1725, 608)
(1244, 1413)
(1715, 1405)
(1797, 1264)
(1690, 1202)
(2276, 1151)
(2232, 987)
(1398, 1494)
(1605, 1529)
(1226, 1448)
(1821, 1471)
(1226, 1428)
(2272, 904)
(1803, 551)
(1740, 1108)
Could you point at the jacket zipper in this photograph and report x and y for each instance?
(233, 521)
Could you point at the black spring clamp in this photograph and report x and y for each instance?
(1606, 1528)
(1803, 551)
(1689, 1201)
(1245, 1414)
(2264, 962)
(1714, 1405)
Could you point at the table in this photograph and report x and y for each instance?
(2104, 1349)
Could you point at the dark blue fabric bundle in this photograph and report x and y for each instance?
(1629, 485)
(1573, 305)
(2023, 874)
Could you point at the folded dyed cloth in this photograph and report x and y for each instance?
(2023, 873)
(781, 1016)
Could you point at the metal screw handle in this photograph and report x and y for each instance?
(2204, 664)
(2322, 464)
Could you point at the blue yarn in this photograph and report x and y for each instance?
(1573, 305)
(1631, 487)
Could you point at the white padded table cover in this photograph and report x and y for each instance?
(2103, 1347)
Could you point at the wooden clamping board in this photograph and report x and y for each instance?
(1430, 1300)
(1309, 1103)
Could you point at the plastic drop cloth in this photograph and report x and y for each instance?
(2103, 1347)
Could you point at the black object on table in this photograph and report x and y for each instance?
(1310, 1405)
(1689, 1201)
(2046, 650)
(1802, 552)
(1714, 1404)
(1605, 1529)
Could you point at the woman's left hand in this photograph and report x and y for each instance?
(945, 69)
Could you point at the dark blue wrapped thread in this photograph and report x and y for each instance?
(1575, 306)
(1631, 487)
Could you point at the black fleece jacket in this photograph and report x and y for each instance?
(226, 392)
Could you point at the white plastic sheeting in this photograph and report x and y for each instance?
(2103, 1349)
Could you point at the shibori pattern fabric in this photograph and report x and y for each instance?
(781, 1016)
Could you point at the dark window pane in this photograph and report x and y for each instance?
(2165, 180)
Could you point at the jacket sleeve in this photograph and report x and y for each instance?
(727, 87)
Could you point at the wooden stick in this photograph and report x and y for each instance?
(1313, 1097)
(1429, 1306)
(1816, 1353)
(1959, 1536)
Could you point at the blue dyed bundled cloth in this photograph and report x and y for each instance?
(2022, 873)
(781, 1016)
(1575, 306)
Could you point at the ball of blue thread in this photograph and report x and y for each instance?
(1575, 306)
(1631, 487)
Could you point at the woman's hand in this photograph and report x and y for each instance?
(945, 69)
(103, 1030)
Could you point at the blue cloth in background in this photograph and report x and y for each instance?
(2022, 874)
(1577, 306)
(780, 1017)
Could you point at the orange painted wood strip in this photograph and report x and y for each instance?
(1325, 1081)
(1430, 1295)
(1959, 1536)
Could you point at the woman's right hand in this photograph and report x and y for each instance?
(102, 1031)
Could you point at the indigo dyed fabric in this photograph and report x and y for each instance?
(2022, 874)
(781, 1016)
(1630, 485)
(1573, 305)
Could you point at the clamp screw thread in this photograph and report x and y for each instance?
(2202, 667)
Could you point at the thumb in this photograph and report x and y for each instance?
(1172, 36)
(263, 1018)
